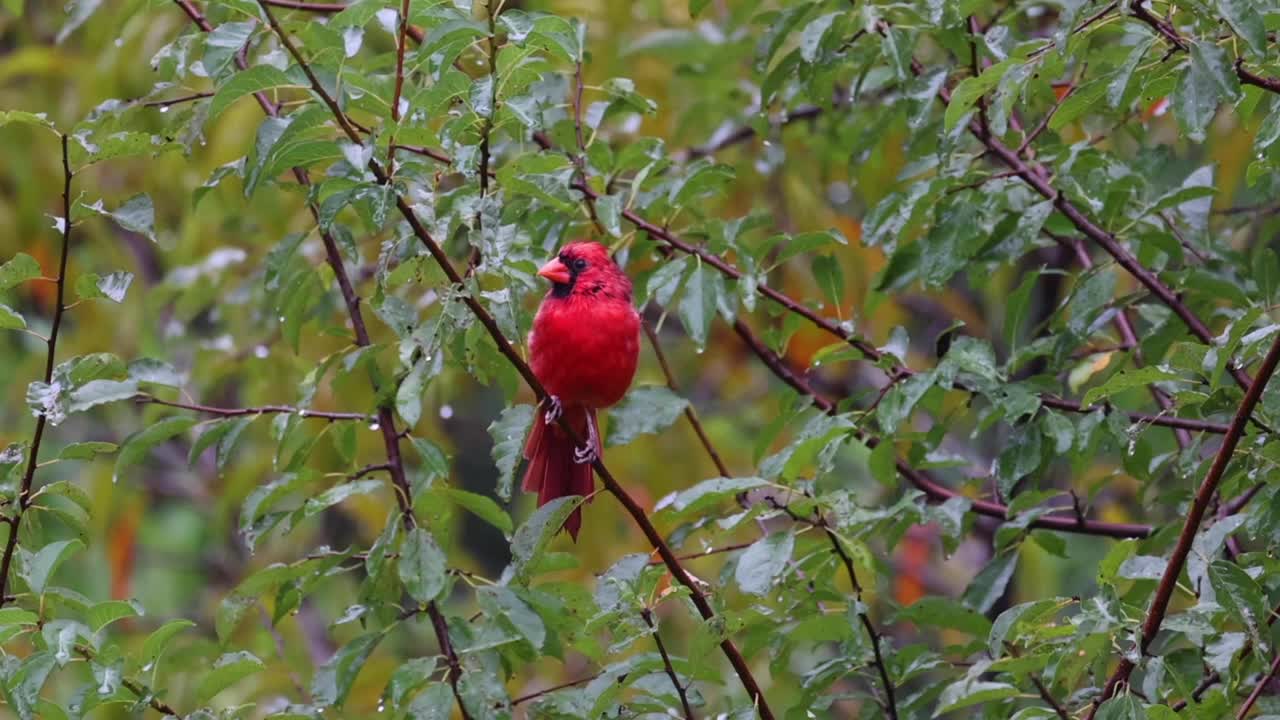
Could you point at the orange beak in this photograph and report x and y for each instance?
(556, 272)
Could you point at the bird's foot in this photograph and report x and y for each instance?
(587, 454)
(554, 409)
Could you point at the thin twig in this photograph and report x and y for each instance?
(142, 692)
(402, 36)
(535, 695)
(227, 412)
(837, 545)
(33, 454)
(647, 614)
(689, 413)
(1258, 689)
(178, 100)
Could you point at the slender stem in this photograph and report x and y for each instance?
(1195, 514)
(308, 6)
(1258, 689)
(689, 413)
(142, 692)
(33, 455)
(535, 695)
(178, 100)
(401, 41)
(486, 132)
(891, 701)
(256, 410)
(711, 551)
(647, 614)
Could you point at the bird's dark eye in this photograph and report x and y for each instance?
(579, 264)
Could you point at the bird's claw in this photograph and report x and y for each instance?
(586, 454)
(554, 409)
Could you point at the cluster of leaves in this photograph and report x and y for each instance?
(1067, 168)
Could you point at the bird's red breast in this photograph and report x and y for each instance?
(586, 336)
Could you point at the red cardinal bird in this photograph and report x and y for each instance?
(583, 348)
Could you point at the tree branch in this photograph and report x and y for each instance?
(647, 614)
(689, 413)
(1164, 591)
(930, 487)
(59, 308)
(1257, 689)
(401, 38)
(226, 412)
(697, 596)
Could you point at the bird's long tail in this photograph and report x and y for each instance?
(553, 471)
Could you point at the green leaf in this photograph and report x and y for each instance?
(23, 684)
(227, 670)
(707, 493)
(508, 433)
(812, 34)
(21, 117)
(989, 584)
(255, 79)
(10, 319)
(78, 12)
(1084, 99)
(21, 268)
(422, 566)
(1242, 597)
(1120, 80)
(609, 210)
(697, 309)
(137, 214)
(761, 564)
(1121, 707)
(41, 565)
(159, 639)
(105, 613)
(137, 445)
(409, 394)
(646, 409)
(1007, 624)
(434, 461)
(531, 538)
(112, 287)
(482, 507)
(830, 278)
(434, 703)
(966, 94)
(338, 493)
(1246, 21)
(156, 372)
(210, 436)
(333, 680)
(938, 611)
(967, 692)
(11, 616)
(1207, 80)
(1128, 380)
(502, 602)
